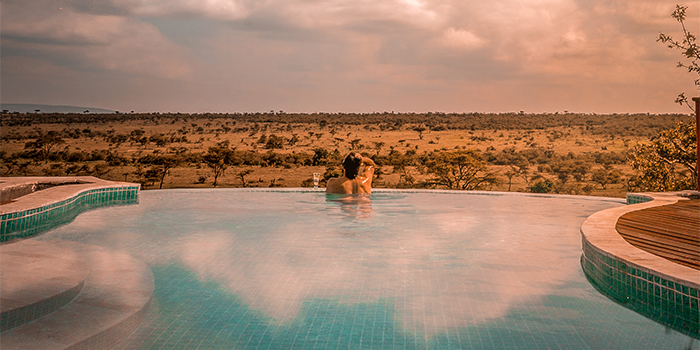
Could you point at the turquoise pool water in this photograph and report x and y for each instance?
(241, 269)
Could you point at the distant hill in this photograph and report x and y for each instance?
(31, 108)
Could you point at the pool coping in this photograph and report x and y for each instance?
(73, 186)
(27, 212)
(599, 231)
(657, 288)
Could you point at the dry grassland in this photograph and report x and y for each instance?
(305, 134)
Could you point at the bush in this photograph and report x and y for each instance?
(542, 186)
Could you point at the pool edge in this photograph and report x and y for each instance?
(33, 213)
(637, 278)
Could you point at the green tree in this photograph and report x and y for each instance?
(542, 186)
(667, 162)
(688, 46)
(463, 169)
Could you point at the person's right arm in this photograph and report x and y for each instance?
(369, 170)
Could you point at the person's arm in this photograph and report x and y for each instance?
(369, 171)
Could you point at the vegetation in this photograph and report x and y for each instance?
(689, 48)
(669, 161)
(460, 170)
(618, 125)
(556, 153)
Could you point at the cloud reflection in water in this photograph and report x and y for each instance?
(444, 266)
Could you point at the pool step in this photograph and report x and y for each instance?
(113, 301)
(37, 279)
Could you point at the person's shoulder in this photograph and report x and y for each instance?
(332, 180)
(333, 183)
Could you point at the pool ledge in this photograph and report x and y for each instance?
(599, 233)
(659, 289)
(64, 187)
(28, 209)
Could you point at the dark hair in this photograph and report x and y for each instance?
(352, 165)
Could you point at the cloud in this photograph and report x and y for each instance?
(461, 39)
(355, 55)
(65, 28)
(92, 42)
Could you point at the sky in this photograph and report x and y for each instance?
(537, 56)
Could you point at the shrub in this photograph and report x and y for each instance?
(542, 186)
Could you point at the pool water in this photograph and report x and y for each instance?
(246, 269)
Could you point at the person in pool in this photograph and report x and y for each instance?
(353, 182)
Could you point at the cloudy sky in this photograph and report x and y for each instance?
(344, 55)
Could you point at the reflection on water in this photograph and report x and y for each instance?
(434, 264)
(353, 206)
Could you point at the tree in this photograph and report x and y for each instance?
(575, 168)
(242, 174)
(45, 144)
(689, 48)
(166, 163)
(321, 157)
(378, 146)
(419, 130)
(218, 159)
(542, 186)
(510, 174)
(100, 170)
(274, 142)
(667, 163)
(464, 170)
(293, 141)
(606, 176)
(162, 165)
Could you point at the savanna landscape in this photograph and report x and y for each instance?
(566, 153)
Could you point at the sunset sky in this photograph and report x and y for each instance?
(597, 56)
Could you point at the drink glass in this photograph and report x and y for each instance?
(317, 178)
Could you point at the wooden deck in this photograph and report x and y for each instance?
(669, 231)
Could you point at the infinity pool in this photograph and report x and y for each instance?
(247, 269)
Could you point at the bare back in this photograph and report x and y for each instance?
(360, 184)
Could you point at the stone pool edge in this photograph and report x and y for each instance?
(32, 213)
(635, 276)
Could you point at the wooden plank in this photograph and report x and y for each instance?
(670, 231)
